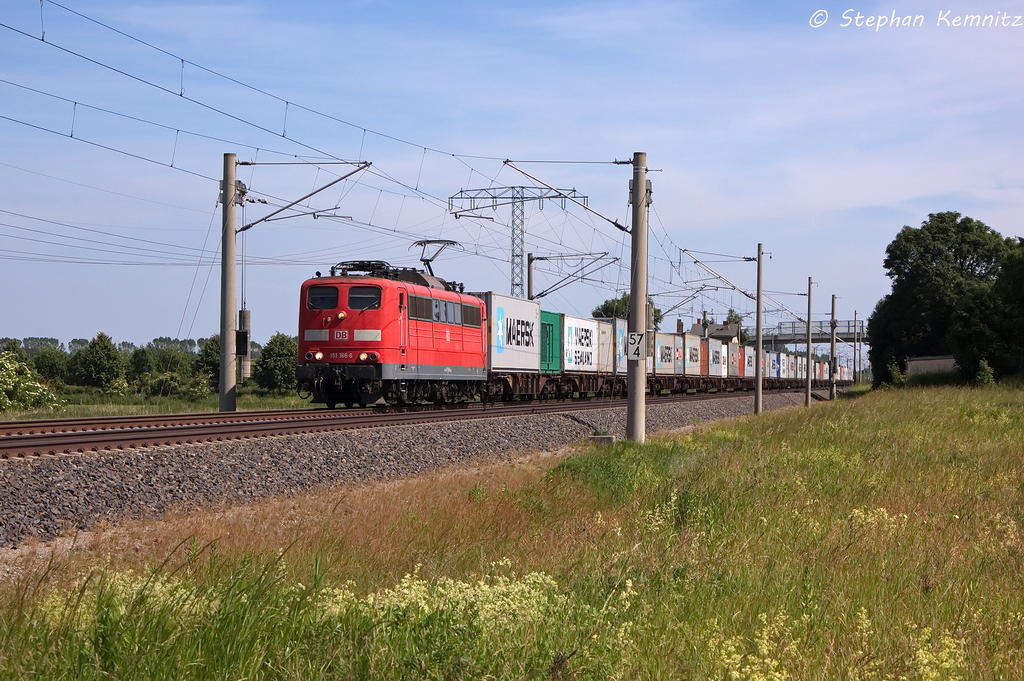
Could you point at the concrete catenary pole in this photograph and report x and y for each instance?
(227, 287)
(807, 391)
(833, 363)
(759, 339)
(636, 369)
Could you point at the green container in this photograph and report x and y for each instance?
(550, 342)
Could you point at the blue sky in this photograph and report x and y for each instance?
(819, 142)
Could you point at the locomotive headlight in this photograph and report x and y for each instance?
(341, 315)
(309, 355)
(363, 356)
(318, 356)
(373, 356)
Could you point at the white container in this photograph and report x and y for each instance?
(733, 367)
(749, 357)
(691, 354)
(716, 358)
(664, 354)
(620, 333)
(605, 347)
(621, 341)
(513, 330)
(579, 345)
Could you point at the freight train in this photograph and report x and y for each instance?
(371, 333)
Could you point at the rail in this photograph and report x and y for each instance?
(55, 437)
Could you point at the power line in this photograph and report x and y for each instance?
(141, 252)
(140, 79)
(138, 119)
(100, 189)
(412, 189)
(108, 148)
(94, 231)
(287, 102)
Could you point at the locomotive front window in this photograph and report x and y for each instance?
(364, 298)
(322, 297)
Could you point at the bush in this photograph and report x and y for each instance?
(172, 384)
(275, 369)
(13, 345)
(119, 386)
(984, 376)
(196, 389)
(897, 379)
(19, 386)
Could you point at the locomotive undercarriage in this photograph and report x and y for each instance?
(358, 392)
(380, 392)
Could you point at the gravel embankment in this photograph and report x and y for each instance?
(48, 496)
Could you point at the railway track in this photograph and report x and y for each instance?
(54, 437)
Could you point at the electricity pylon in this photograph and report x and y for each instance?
(516, 197)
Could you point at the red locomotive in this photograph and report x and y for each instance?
(371, 333)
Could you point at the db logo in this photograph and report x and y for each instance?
(341, 334)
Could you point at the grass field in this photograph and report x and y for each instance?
(84, 402)
(878, 537)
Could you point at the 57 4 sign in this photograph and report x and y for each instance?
(636, 348)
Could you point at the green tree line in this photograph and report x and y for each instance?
(164, 367)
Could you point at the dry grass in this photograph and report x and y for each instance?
(376, 532)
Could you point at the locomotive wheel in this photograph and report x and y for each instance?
(331, 404)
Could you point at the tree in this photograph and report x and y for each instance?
(173, 359)
(98, 364)
(932, 269)
(166, 342)
(207, 362)
(275, 369)
(734, 317)
(619, 308)
(141, 362)
(51, 364)
(33, 344)
(988, 323)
